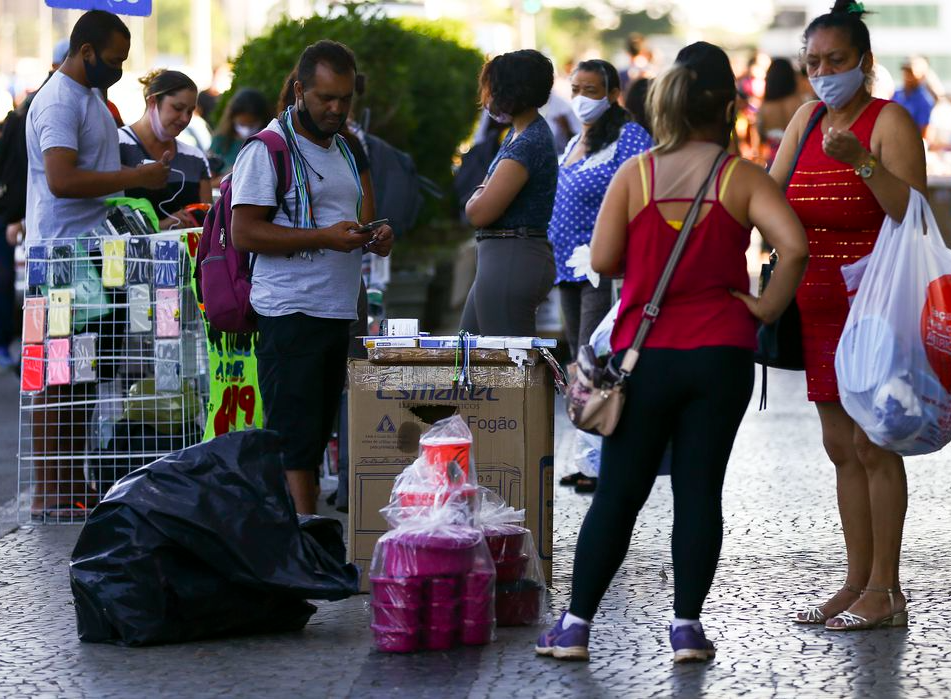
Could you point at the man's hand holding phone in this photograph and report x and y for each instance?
(381, 240)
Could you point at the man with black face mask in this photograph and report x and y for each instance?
(72, 142)
(73, 154)
(307, 270)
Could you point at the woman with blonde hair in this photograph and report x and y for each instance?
(693, 380)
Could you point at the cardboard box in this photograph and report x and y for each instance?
(398, 393)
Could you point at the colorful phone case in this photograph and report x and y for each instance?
(34, 319)
(61, 265)
(60, 314)
(166, 265)
(113, 262)
(168, 367)
(57, 364)
(84, 358)
(36, 265)
(138, 263)
(167, 314)
(32, 369)
(140, 308)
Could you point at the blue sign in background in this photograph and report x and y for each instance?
(140, 8)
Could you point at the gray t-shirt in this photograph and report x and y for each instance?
(321, 284)
(64, 114)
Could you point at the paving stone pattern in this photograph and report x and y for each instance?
(782, 549)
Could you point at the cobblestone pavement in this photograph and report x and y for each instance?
(782, 549)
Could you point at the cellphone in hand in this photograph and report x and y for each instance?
(372, 225)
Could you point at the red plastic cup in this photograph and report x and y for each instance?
(438, 637)
(440, 615)
(479, 610)
(441, 590)
(395, 640)
(475, 633)
(478, 583)
(506, 542)
(512, 569)
(518, 604)
(439, 453)
(396, 592)
(396, 618)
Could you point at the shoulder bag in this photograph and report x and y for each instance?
(596, 392)
(779, 344)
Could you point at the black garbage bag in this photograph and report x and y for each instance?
(202, 543)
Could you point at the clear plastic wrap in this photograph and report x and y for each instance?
(432, 579)
(520, 593)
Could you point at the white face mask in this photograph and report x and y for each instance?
(244, 131)
(838, 89)
(589, 110)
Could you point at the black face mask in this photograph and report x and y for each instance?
(101, 75)
(310, 126)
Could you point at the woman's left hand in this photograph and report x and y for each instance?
(383, 243)
(844, 146)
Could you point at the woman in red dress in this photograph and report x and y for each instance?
(858, 165)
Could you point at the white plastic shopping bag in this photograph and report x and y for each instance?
(893, 362)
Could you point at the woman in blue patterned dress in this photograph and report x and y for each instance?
(608, 138)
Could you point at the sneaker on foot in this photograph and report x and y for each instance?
(565, 644)
(690, 645)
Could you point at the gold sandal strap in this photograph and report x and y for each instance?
(890, 591)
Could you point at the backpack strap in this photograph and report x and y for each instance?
(280, 154)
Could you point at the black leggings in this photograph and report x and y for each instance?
(696, 400)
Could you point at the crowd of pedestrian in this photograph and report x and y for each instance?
(645, 162)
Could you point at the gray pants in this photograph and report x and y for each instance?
(583, 307)
(513, 277)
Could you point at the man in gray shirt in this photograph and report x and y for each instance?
(307, 271)
(73, 153)
(71, 137)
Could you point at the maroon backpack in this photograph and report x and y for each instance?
(223, 273)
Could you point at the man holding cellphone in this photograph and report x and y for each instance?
(307, 271)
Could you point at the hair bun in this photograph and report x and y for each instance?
(849, 7)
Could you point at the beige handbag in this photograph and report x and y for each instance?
(596, 391)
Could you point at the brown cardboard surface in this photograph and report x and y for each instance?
(510, 411)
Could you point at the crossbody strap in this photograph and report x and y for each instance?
(813, 120)
(652, 310)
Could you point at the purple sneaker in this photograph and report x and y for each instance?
(570, 644)
(690, 645)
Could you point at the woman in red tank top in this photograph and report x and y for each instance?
(693, 379)
(856, 167)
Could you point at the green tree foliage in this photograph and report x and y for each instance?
(421, 85)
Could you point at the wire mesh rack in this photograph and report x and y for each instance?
(114, 372)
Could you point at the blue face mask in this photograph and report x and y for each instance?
(838, 89)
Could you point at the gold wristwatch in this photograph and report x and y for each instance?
(867, 169)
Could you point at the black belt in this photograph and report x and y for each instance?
(523, 232)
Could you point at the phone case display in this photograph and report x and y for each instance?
(32, 369)
(113, 262)
(36, 265)
(167, 313)
(166, 265)
(131, 323)
(60, 314)
(84, 358)
(34, 319)
(168, 365)
(138, 263)
(61, 265)
(140, 308)
(57, 362)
